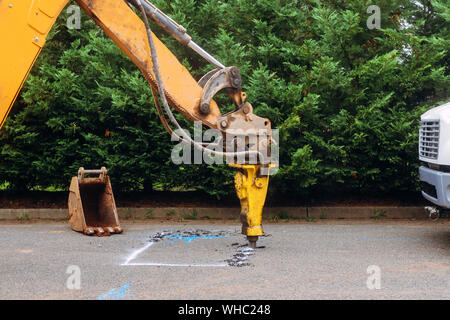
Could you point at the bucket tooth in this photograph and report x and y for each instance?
(92, 208)
(89, 232)
(99, 231)
(110, 230)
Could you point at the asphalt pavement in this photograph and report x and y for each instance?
(210, 260)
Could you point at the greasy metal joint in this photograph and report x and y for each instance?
(161, 19)
(217, 80)
(247, 132)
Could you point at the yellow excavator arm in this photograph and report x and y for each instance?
(24, 27)
(25, 24)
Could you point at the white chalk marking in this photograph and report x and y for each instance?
(179, 265)
(135, 254)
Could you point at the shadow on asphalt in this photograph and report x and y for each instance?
(442, 239)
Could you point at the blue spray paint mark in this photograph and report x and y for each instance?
(189, 239)
(117, 293)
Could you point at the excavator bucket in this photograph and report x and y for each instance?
(92, 209)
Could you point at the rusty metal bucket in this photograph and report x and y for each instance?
(92, 209)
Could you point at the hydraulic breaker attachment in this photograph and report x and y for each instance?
(251, 189)
(92, 209)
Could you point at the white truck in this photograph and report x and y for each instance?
(434, 152)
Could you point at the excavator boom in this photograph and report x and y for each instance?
(25, 25)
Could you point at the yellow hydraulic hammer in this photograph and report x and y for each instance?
(252, 191)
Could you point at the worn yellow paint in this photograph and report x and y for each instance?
(24, 26)
(252, 192)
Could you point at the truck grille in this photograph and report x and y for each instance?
(429, 139)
